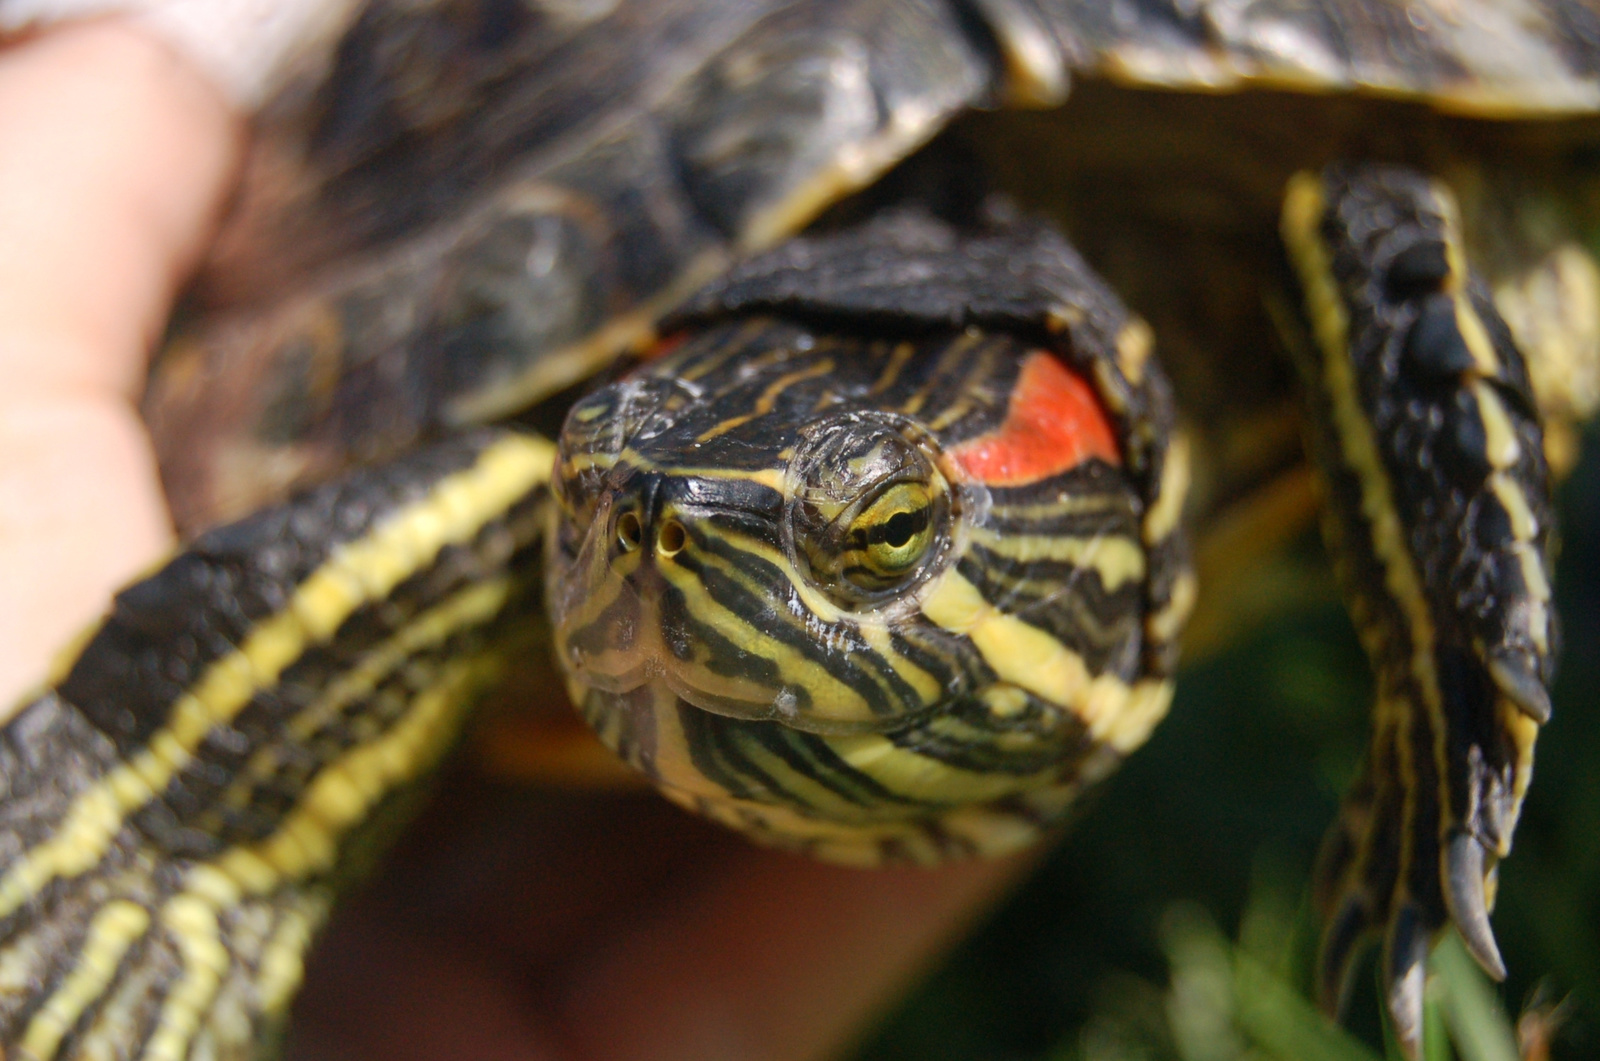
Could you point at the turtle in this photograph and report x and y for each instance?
(865, 541)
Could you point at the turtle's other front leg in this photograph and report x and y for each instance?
(233, 741)
(1438, 514)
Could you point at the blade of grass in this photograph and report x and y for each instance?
(1435, 1039)
(1478, 1023)
(1284, 1023)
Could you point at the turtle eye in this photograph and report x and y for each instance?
(869, 510)
(889, 536)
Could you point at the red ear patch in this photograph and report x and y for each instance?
(1053, 423)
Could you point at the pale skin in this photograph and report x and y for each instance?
(587, 928)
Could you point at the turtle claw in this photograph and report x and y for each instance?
(1391, 868)
(1521, 683)
(1378, 877)
(1405, 971)
(1341, 943)
(1464, 892)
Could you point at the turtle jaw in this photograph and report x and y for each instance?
(621, 622)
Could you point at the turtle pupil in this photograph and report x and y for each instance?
(899, 529)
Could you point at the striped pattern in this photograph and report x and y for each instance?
(1439, 514)
(180, 810)
(951, 710)
(778, 589)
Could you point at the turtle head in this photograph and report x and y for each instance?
(725, 540)
(800, 580)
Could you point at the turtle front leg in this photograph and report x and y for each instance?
(235, 740)
(1438, 514)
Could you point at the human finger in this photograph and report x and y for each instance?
(117, 158)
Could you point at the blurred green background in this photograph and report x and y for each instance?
(1123, 945)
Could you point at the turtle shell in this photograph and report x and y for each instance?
(455, 210)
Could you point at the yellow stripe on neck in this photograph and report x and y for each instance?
(357, 572)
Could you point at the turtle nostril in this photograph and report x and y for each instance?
(629, 531)
(672, 539)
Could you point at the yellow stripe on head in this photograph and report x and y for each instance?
(1020, 653)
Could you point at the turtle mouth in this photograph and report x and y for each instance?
(726, 700)
(631, 644)
(629, 637)
(617, 631)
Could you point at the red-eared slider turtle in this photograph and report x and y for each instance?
(878, 552)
